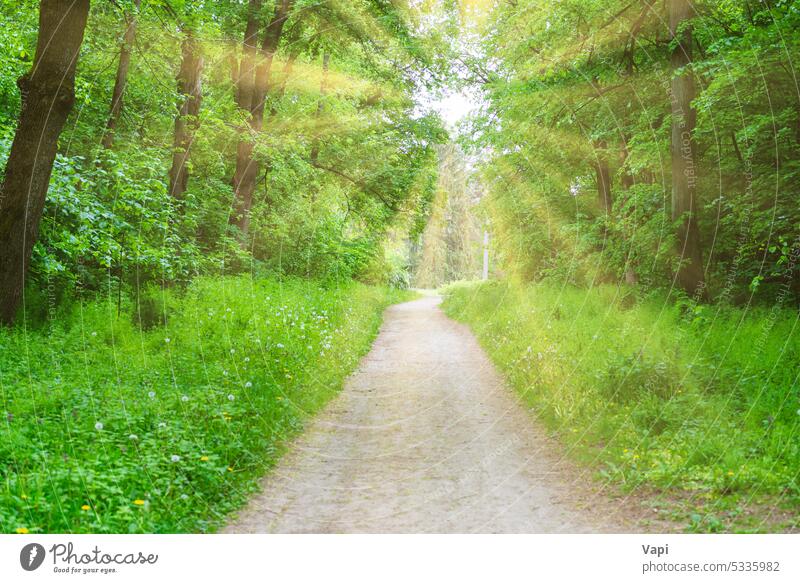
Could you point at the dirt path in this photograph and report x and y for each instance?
(425, 438)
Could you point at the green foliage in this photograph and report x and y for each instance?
(577, 83)
(685, 396)
(109, 220)
(96, 408)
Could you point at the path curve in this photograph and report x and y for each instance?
(425, 437)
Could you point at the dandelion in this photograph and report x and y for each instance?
(233, 350)
(94, 333)
(86, 507)
(248, 384)
(166, 340)
(133, 437)
(231, 397)
(230, 469)
(184, 398)
(203, 458)
(98, 426)
(247, 359)
(152, 394)
(22, 530)
(175, 459)
(279, 345)
(730, 472)
(139, 502)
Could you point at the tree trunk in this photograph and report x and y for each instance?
(48, 94)
(122, 75)
(191, 95)
(684, 203)
(627, 181)
(245, 82)
(323, 86)
(247, 167)
(603, 174)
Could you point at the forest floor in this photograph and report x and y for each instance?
(426, 437)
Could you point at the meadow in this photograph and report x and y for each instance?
(160, 413)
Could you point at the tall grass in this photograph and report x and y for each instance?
(677, 396)
(161, 417)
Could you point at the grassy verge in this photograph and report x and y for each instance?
(700, 403)
(161, 418)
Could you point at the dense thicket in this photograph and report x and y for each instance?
(652, 141)
(209, 137)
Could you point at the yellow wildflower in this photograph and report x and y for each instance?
(730, 472)
(203, 458)
(139, 502)
(230, 469)
(86, 507)
(22, 530)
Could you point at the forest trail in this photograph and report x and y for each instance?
(425, 437)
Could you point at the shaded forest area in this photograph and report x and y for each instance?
(652, 142)
(152, 141)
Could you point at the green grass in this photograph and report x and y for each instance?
(163, 417)
(700, 403)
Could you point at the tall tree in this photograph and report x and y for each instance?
(253, 88)
(603, 176)
(323, 87)
(189, 101)
(123, 66)
(684, 178)
(48, 94)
